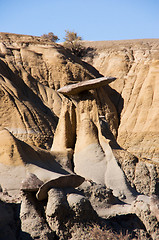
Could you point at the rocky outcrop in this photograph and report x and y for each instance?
(65, 212)
(33, 222)
(141, 173)
(30, 74)
(135, 65)
(146, 209)
(58, 132)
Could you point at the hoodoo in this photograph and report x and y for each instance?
(78, 150)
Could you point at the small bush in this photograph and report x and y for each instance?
(72, 36)
(50, 36)
(73, 43)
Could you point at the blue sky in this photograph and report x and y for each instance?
(91, 19)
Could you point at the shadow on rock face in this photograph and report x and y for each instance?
(129, 224)
(25, 236)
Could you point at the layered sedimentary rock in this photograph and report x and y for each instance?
(58, 132)
(135, 64)
(31, 70)
(77, 88)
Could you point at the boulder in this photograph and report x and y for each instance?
(81, 207)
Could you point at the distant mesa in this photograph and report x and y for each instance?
(76, 88)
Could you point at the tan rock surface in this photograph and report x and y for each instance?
(30, 72)
(93, 157)
(18, 159)
(135, 64)
(77, 88)
(53, 136)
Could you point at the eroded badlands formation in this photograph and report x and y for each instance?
(77, 148)
(135, 64)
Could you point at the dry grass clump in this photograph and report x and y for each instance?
(98, 233)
